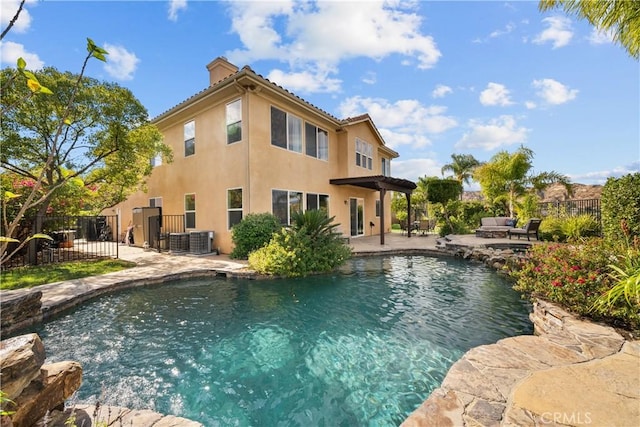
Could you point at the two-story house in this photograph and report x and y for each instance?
(246, 145)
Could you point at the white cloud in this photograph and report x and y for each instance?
(8, 9)
(370, 78)
(559, 32)
(413, 169)
(554, 92)
(507, 29)
(495, 94)
(10, 52)
(404, 122)
(530, 105)
(600, 177)
(310, 81)
(440, 91)
(598, 37)
(496, 133)
(174, 7)
(324, 33)
(121, 64)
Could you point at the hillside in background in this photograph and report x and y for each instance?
(554, 193)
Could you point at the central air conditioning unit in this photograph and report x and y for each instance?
(178, 242)
(200, 242)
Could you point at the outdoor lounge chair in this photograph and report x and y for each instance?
(530, 228)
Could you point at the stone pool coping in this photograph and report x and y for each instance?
(477, 391)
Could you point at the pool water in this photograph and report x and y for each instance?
(363, 346)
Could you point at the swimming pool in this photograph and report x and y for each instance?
(363, 346)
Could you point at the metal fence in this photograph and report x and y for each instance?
(74, 238)
(160, 229)
(572, 208)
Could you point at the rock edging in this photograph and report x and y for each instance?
(478, 390)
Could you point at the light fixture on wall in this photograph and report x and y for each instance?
(345, 202)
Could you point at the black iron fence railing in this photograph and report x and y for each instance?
(160, 229)
(74, 238)
(571, 208)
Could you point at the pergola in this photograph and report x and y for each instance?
(383, 184)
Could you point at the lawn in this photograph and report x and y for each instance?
(28, 277)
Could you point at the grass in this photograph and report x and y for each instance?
(28, 277)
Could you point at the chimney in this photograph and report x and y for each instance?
(220, 69)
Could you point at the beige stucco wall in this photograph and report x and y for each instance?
(254, 165)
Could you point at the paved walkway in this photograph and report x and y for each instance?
(568, 394)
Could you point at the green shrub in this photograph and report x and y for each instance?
(311, 245)
(551, 229)
(620, 200)
(563, 228)
(625, 293)
(575, 276)
(253, 232)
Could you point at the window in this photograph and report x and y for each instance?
(190, 210)
(364, 154)
(386, 167)
(316, 142)
(155, 202)
(286, 130)
(156, 161)
(234, 121)
(189, 138)
(284, 203)
(234, 206)
(318, 201)
(378, 208)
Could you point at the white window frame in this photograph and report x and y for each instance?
(386, 166)
(190, 211)
(364, 154)
(321, 138)
(291, 123)
(234, 118)
(289, 204)
(190, 137)
(156, 161)
(155, 202)
(234, 209)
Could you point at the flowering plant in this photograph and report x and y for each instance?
(576, 276)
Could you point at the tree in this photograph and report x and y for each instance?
(462, 166)
(107, 142)
(506, 177)
(33, 198)
(621, 18)
(82, 131)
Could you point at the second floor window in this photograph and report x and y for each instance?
(155, 202)
(316, 142)
(189, 138)
(286, 130)
(364, 154)
(234, 121)
(156, 161)
(386, 167)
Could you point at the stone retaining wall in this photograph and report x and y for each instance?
(478, 389)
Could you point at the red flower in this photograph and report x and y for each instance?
(557, 283)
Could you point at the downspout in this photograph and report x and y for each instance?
(382, 214)
(408, 195)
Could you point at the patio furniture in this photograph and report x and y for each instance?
(530, 228)
(497, 226)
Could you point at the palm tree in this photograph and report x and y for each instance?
(621, 18)
(462, 167)
(506, 177)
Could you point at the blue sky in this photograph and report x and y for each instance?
(437, 77)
